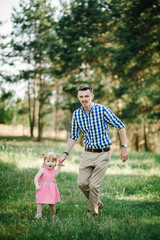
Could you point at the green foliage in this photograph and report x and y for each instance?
(135, 54)
(6, 107)
(80, 51)
(6, 115)
(33, 31)
(93, 41)
(130, 193)
(81, 37)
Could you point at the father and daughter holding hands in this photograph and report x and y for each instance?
(93, 120)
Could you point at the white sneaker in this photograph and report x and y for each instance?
(90, 215)
(37, 216)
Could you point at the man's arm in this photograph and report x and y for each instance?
(123, 138)
(68, 148)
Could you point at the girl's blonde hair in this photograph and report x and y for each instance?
(52, 155)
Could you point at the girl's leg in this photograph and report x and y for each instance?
(39, 211)
(39, 208)
(52, 209)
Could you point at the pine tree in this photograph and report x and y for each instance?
(81, 50)
(33, 26)
(135, 58)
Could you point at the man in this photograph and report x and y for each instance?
(93, 120)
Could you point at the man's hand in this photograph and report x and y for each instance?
(61, 160)
(124, 154)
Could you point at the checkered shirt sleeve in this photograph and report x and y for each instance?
(74, 133)
(112, 119)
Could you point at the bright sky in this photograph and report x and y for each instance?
(6, 7)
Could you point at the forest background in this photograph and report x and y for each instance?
(112, 45)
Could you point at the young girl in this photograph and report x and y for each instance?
(46, 187)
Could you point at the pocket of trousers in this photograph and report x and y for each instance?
(107, 156)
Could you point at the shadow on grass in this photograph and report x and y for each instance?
(15, 138)
(26, 138)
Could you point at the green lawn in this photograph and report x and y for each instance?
(130, 193)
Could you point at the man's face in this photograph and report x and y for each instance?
(85, 98)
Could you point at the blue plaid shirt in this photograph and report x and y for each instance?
(94, 125)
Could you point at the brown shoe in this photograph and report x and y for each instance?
(100, 206)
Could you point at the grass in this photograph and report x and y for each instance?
(130, 193)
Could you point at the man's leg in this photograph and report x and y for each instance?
(101, 164)
(83, 180)
(85, 172)
(93, 166)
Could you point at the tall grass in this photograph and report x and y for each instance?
(130, 193)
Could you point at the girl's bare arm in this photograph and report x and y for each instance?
(36, 178)
(57, 171)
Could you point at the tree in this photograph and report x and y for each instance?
(6, 108)
(135, 57)
(81, 50)
(33, 30)
(6, 97)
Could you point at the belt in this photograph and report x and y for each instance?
(48, 182)
(97, 150)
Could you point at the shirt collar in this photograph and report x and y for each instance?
(91, 109)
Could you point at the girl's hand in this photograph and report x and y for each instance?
(61, 165)
(38, 188)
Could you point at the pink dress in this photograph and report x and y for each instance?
(48, 193)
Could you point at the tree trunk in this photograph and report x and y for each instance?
(30, 110)
(32, 105)
(40, 111)
(41, 101)
(119, 101)
(40, 123)
(57, 108)
(137, 140)
(145, 130)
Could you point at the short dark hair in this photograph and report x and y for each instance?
(84, 87)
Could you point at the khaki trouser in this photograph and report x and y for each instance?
(91, 173)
